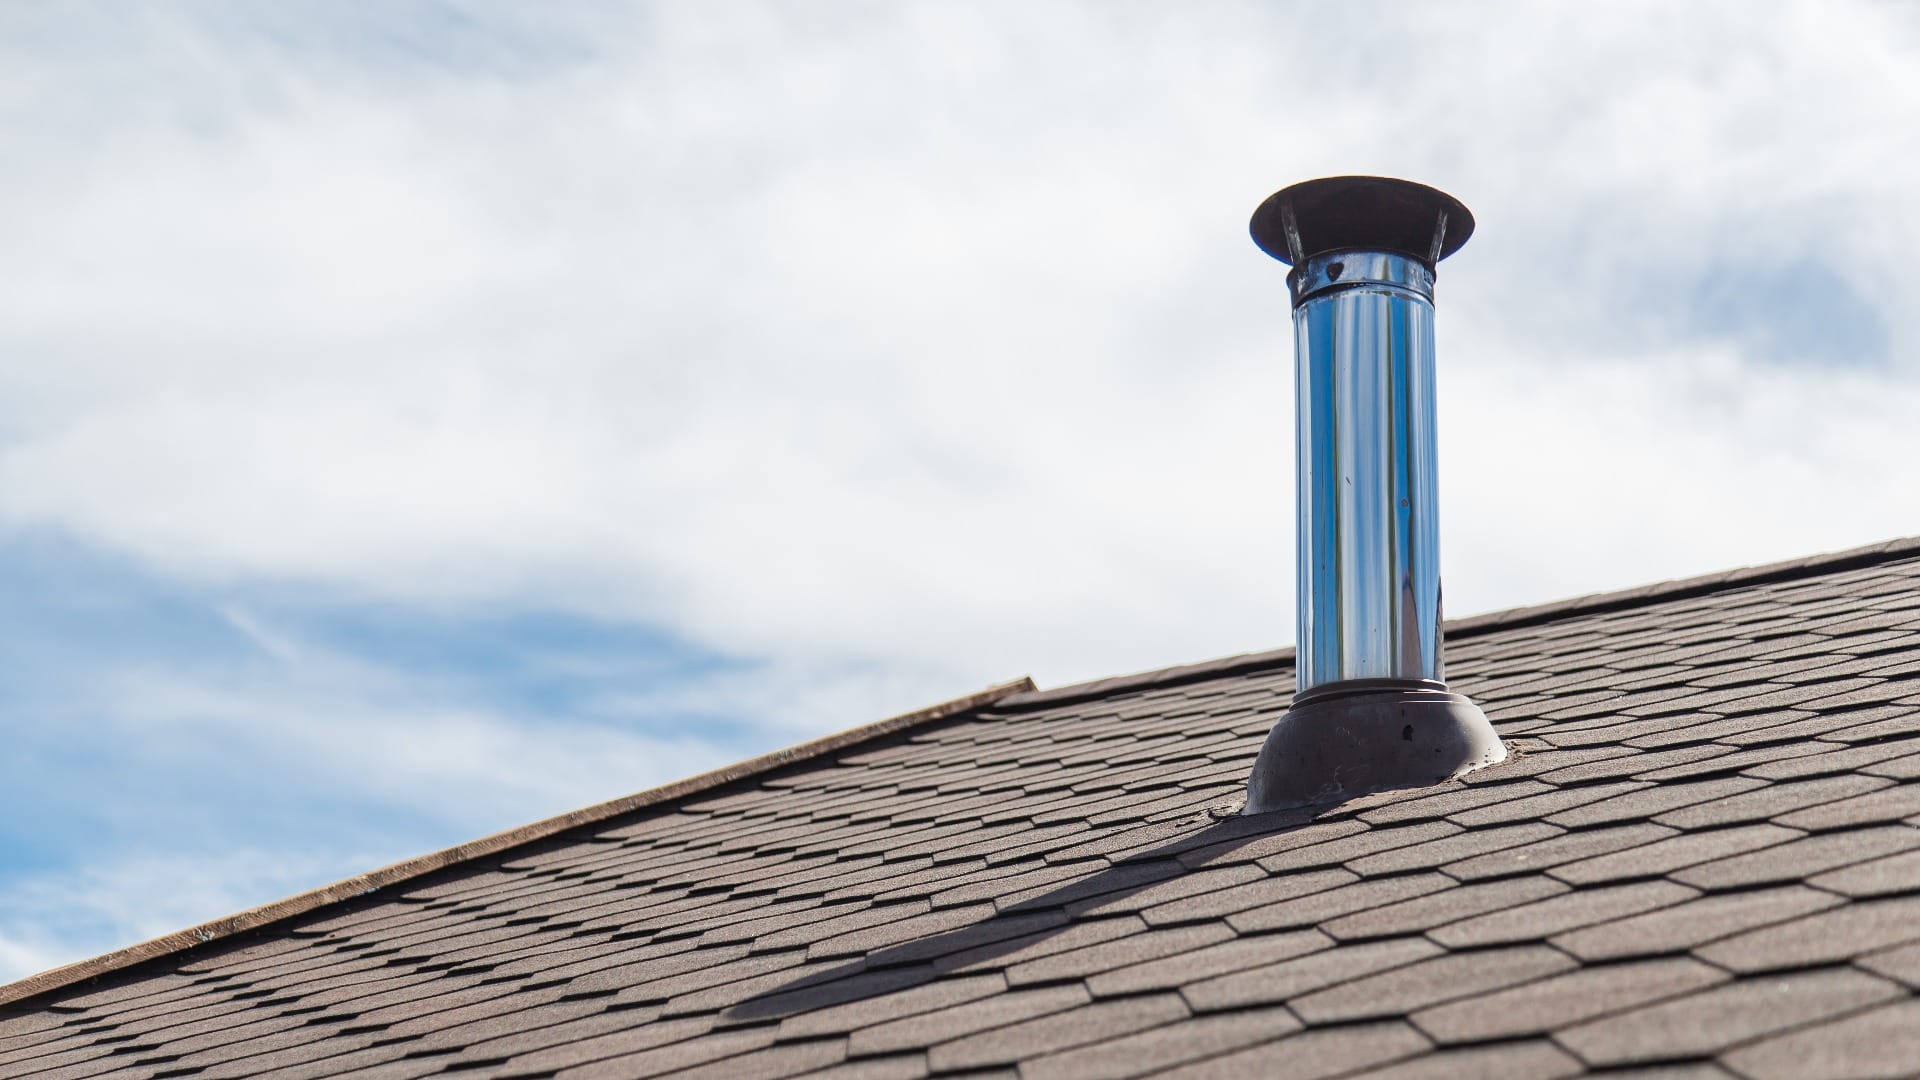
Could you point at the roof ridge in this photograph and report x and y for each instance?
(1486, 622)
(312, 900)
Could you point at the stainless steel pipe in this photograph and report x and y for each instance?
(1368, 504)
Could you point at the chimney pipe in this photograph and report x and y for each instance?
(1371, 709)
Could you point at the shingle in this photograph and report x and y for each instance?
(1237, 954)
(1432, 853)
(1769, 802)
(574, 1024)
(1813, 696)
(786, 1059)
(880, 1008)
(1459, 799)
(1888, 804)
(1901, 963)
(1722, 730)
(1530, 1060)
(1640, 805)
(1117, 953)
(1821, 937)
(1542, 919)
(1141, 896)
(1879, 1042)
(1547, 1005)
(679, 1054)
(1694, 923)
(1438, 909)
(1711, 1020)
(1312, 1054)
(1900, 768)
(999, 953)
(1800, 859)
(1347, 849)
(1878, 877)
(785, 993)
(892, 1067)
(1533, 858)
(867, 940)
(1165, 1046)
(1626, 732)
(1427, 982)
(1097, 1022)
(1275, 983)
(1533, 765)
(1662, 856)
(1829, 763)
(958, 1021)
(1635, 765)
(1745, 762)
(1252, 894)
(1319, 907)
(1893, 721)
(1537, 807)
(1798, 726)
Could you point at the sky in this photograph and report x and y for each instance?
(418, 419)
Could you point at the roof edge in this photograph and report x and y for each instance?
(1682, 588)
(182, 941)
(1488, 622)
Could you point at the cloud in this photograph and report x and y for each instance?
(58, 917)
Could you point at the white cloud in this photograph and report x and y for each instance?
(930, 338)
(58, 917)
(314, 719)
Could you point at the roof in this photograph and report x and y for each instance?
(1704, 853)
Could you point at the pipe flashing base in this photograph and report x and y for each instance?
(1336, 744)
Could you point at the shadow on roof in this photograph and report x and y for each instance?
(1099, 907)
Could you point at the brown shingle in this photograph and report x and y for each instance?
(1098, 1022)
(1901, 963)
(1530, 1060)
(1879, 807)
(1767, 802)
(1117, 953)
(1310, 1054)
(1801, 859)
(1260, 892)
(681, 1054)
(1539, 807)
(1402, 990)
(1440, 908)
(1432, 853)
(1325, 906)
(1634, 806)
(1820, 937)
(1693, 923)
(1711, 1020)
(1544, 918)
(1275, 983)
(1879, 1042)
(1533, 858)
(1235, 954)
(1165, 1046)
(958, 1021)
(1674, 853)
(1552, 1004)
(866, 1012)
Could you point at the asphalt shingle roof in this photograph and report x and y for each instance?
(1703, 856)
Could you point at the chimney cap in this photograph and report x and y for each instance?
(1369, 213)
